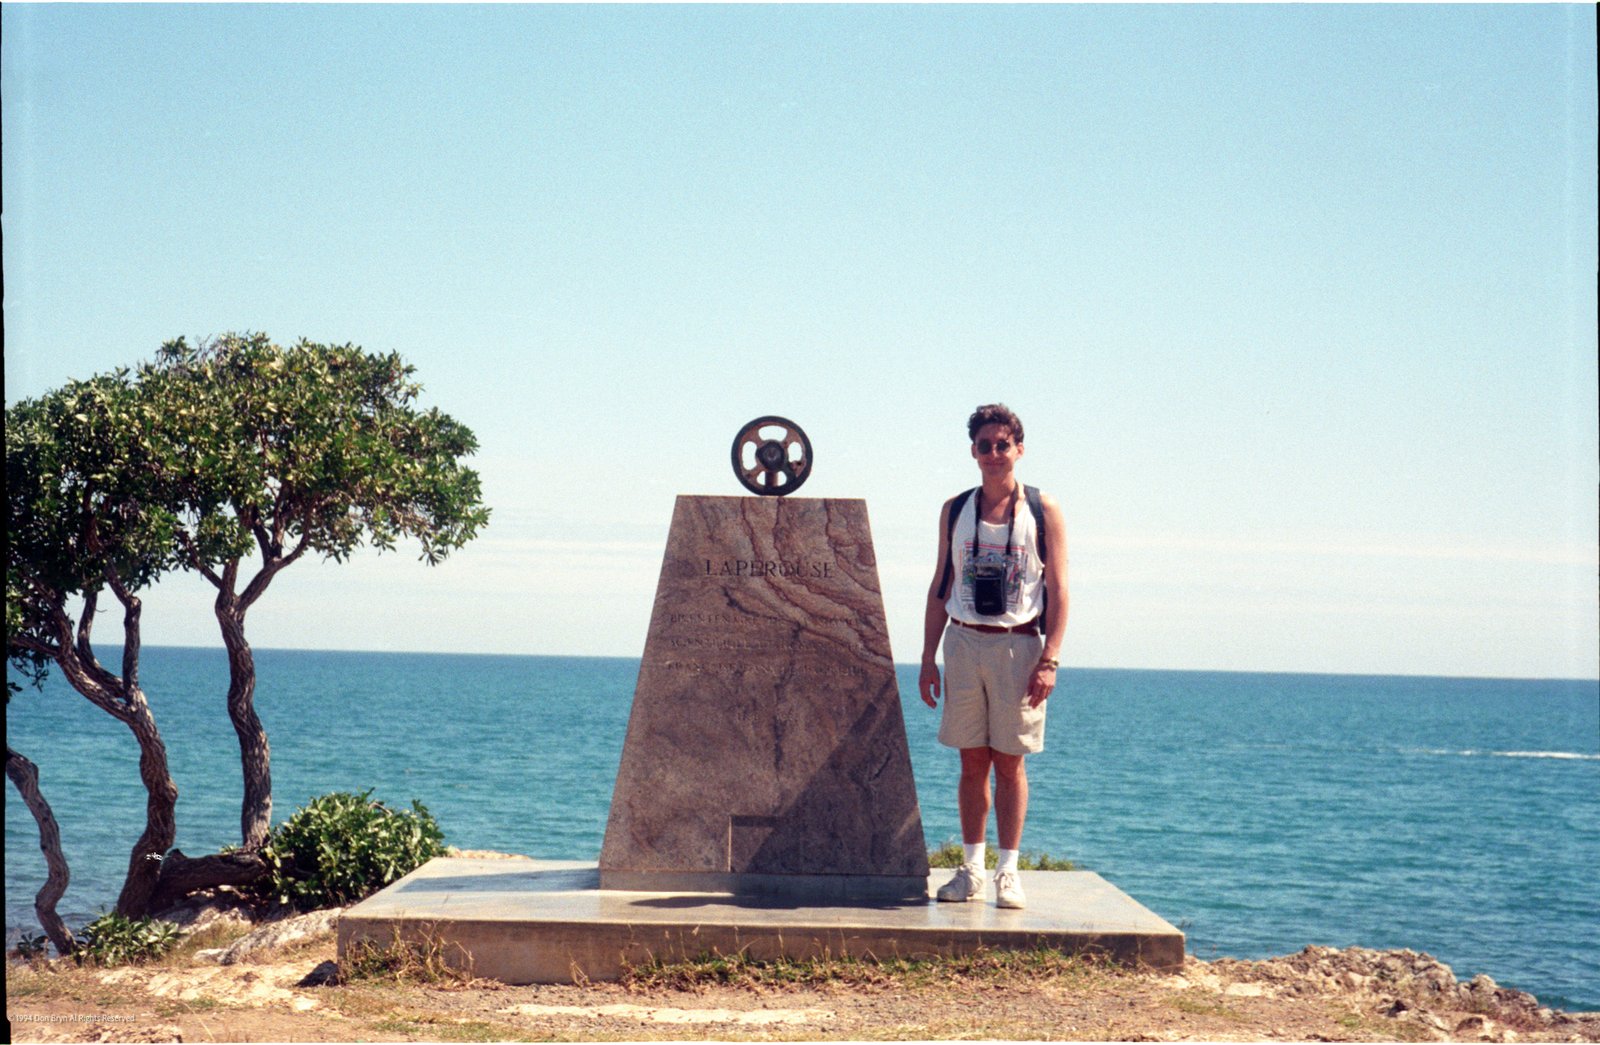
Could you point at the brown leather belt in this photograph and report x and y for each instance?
(1030, 628)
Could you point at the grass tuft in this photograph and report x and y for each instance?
(426, 959)
(1205, 1006)
(740, 970)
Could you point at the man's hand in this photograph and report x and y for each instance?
(1041, 685)
(928, 683)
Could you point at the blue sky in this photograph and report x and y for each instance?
(1297, 302)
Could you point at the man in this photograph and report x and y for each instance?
(999, 599)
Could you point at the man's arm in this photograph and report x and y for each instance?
(1043, 681)
(934, 617)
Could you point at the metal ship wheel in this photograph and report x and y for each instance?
(771, 456)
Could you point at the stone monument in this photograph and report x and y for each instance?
(766, 751)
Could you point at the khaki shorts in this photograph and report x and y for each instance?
(986, 691)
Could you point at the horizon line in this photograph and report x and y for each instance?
(913, 664)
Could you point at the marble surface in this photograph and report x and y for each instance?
(766, 737)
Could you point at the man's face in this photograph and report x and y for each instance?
(995, 450)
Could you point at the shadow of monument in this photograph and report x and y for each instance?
(763, 902)
(854, 789)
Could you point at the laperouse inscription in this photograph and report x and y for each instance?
(766, 749)
(764, 568)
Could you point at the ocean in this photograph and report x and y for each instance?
(1257, 812)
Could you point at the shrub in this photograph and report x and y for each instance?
(112, 939)
(1044, 862)
(951, 855)
(343, 847)
(32, 947)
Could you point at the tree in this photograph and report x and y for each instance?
(25, 776)
(210, 455)
(279, 452)
(82, 519)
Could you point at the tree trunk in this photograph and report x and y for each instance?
(182, 875)
(124, 700)
(144, 863)
(255, 755)
(25, 775)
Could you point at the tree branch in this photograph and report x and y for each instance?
(258, 584)
(91, 600)
(34, 645)
(192, 554)
(270, 547)
(131, 609)
(86, 675)
(182, 875)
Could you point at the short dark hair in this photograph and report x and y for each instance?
(994, 414)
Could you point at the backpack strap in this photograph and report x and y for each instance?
(1036, 506)
(958, 502)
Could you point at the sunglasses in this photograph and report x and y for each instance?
(1002, 445)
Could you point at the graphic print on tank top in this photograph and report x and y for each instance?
(993, 554)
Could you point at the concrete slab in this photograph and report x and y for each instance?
(543, 921)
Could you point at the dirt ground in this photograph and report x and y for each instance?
(290, 994)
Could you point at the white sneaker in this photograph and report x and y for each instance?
(966, 884)
(1008, 890)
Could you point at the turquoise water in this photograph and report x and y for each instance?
(1257, 812)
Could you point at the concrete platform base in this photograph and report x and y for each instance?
(542, 921)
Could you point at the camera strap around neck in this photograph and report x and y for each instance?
(977, 519)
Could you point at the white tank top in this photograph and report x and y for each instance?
(1023, 570)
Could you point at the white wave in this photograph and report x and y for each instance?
(1576, 756)
(1547, 754)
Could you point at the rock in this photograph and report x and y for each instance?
(1355, 981)
(208, 908)
(277, 934)
(1396, 1007)
(1475, 1024)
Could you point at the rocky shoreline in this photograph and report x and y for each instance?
(278, 981)
(272, 976)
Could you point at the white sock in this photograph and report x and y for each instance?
(1008, 860)
(973, 854)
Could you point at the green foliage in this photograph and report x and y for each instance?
(343, 847)
(1044, 862)
(215, 452)
(112, 939)
(32, 947)
(951, 855)
(320, 443)
(84, 507)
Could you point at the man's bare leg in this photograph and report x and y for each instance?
(1010, 797)
(972, 796)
